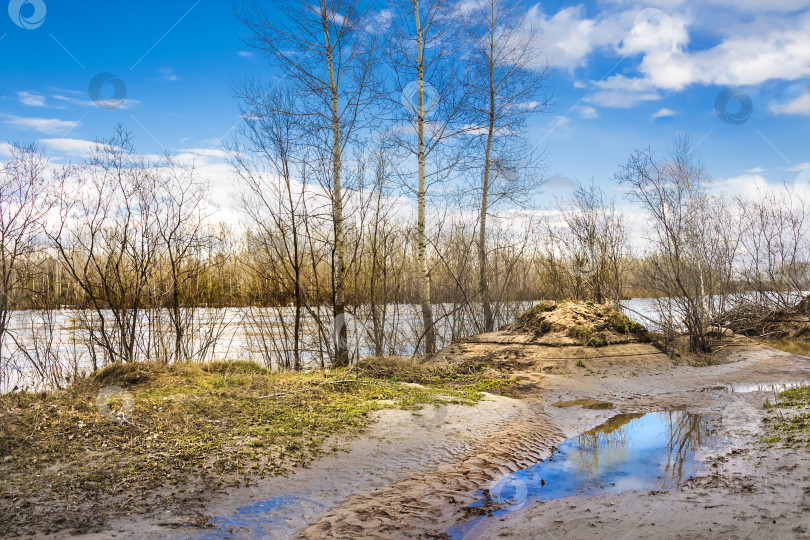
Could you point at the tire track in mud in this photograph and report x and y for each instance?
(432, 501)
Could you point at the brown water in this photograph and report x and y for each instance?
(802, 348)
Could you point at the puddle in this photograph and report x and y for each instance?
(762, 387)
(654, 451)
(277, 517)
(802, 348)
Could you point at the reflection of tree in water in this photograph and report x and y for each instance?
(687, 432)
(606, 443)
(609, 443)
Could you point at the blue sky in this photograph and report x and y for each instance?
(625, 75)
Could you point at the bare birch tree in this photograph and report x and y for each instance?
(322, 50)
(422, 54)
(507, 88)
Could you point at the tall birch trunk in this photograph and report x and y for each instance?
(339, 269)
(427, 308)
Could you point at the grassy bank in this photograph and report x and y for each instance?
(789, 418)
(72, 458)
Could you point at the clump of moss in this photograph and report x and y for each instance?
(616, 321)
(599, 339)
(579, 333)
(790, 421)
(534, 320)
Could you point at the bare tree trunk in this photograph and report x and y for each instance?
(483, 286)
(427, 309)
(339, 307)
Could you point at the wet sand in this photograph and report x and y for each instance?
(413, 475)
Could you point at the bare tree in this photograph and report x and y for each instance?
(691, 234)
(775, 247)
(23, 206)
(108, 240)
(506, 89)
(322, 50)
(275, 203)
(181, 221)
(422, 53)
(596, 240)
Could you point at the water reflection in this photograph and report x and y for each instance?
(802, 348)
(628, 452)
(277, 517)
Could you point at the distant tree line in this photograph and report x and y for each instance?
(384, 165)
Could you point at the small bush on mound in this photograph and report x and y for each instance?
(579, 333)
(533, 319)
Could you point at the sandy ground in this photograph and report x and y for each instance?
(412, 474)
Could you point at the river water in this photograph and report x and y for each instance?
(58, 343)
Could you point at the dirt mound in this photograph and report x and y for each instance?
(754, 320)
(579, 323)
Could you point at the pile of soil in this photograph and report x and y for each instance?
(790, 324)
(578, 323)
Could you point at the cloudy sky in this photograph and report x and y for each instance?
(733, 75)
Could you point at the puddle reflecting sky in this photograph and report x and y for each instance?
(628, 452)
(763, 387)
(277, 517)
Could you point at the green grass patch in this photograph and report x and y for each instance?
(789, 418)
(214, 425)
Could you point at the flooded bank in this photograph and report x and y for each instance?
(774, 387)
(654, 451)
(802, 348)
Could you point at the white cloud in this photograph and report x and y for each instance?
(622, 92)
(568, 37)
(800, 105)
(31, 99)
(244, 54)
(48, 126)
(662, 113)
(560, 180)
(587, 113)
(655, 30)
(799, 167)
(559, 126)
(747, 50)
(745, 185)
(73, 147)
(757, 170)
(166, 73)
(125, 104)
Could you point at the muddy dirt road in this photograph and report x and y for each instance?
(415, 475)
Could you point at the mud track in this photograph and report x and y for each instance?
(413, 475)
